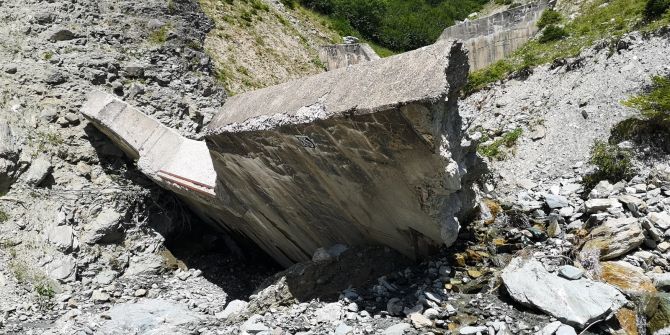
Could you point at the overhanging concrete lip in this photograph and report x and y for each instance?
(415, 76)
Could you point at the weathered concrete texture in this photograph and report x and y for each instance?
(366, 154)
(342, 55)
(495, 37)
(173, 161)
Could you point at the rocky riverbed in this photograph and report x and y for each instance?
(89, 246)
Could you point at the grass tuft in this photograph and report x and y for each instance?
(612, 164)
(495, 150)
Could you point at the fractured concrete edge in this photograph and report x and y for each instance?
(161, 153)
(364, 88)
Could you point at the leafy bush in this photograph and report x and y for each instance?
(399, 25)
(612, 164)
(503, 2)
(548, 17)
(552, 33)
(656, 8)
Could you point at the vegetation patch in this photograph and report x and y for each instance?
(653, 126)
(160, 35)
(612, 163)
(600, 19)
(398, 25)
(548, 17)
(495, 150)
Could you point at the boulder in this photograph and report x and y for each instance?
(105, 228)
(38, 171)
(574, 302)
(556, 201)
(615, 237)
(397, 329)
(660, 220)
(233, 307)
(600, 205)
(628, 278)
(147, 316)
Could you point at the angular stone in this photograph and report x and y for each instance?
(633, 204)
(105, 228)
(660, 219)
(100, 296)
(556, 201)
(600, 205)
(38, 171)
(627, 277)
(615, 237)
(233, 307)
(61, 236)
(151, 316)
(661, 280)
(472, 330)
(397, 329)
(575, 302)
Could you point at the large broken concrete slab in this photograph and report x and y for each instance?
(368, 154)
(494, 37)
(363, 155)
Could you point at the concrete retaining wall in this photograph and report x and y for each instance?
(495, 37)
(343, 55)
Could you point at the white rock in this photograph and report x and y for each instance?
(600, 205)
(233, 307)
(398, 329)
(343, 329)
(565, 330)
(575, 302)
(550, 328)
(660, 219)
(151, 316)
(470, 330)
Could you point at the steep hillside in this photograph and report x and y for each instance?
(258, 43)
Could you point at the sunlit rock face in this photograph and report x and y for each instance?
(368, 154)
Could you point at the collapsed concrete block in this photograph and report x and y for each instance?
(342, 55)
(173, 161)
(496, 36)
(367, 154)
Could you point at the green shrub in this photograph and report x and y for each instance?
(508, 140)
(552, 33)
(656, 8)
(548, 17)
(612, 164)
(656, 102)
(503, 2)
